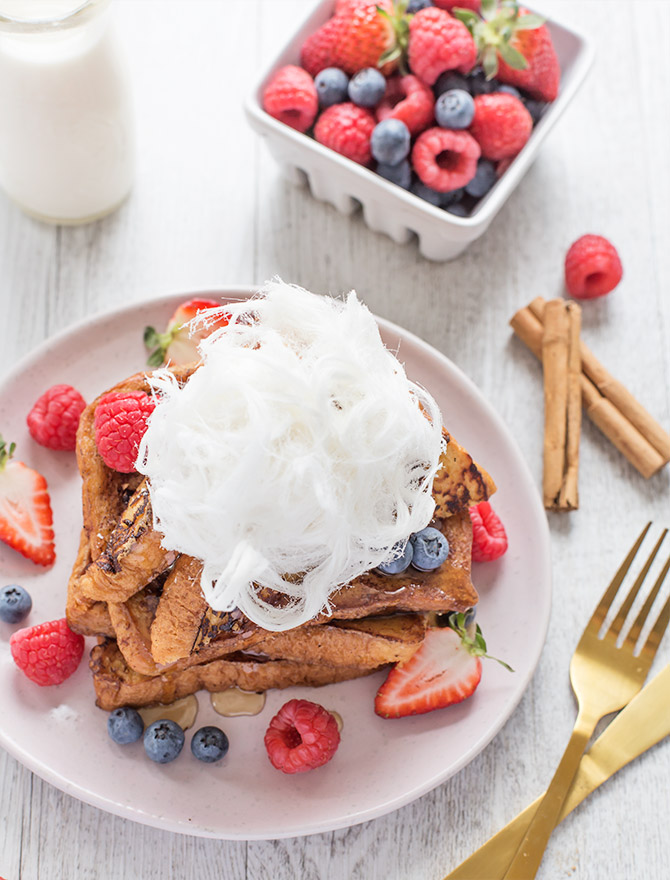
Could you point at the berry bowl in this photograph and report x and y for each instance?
(443, 232)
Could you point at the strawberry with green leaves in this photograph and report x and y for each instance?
(26, 520)
(445, 670)
(179, 343)
(515, 46)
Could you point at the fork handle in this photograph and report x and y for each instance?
(528, 857)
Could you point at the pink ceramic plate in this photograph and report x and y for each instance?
(381, 765)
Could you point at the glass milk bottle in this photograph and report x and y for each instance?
(66, 126)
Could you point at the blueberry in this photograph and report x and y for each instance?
(458, 210)
(401, 562)
(535, 108)
(417, 5)
(367, 87)
(427, 194)
(209, 744)
(450, 80)
(484, 178)
(454, 109)
(400, 174)
(390, 141)
(431, 548)
(125, 725)
(15, 603)
(509, 90)
(451, 197)
(331, 86)
(480, 85)
(163, 741)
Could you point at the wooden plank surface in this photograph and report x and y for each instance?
(209, 208)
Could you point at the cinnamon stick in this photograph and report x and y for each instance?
(555, 350)
(568, 498)
(617, 393)
(623, 434)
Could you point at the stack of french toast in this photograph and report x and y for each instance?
(158, 639)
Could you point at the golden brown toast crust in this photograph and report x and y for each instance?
(113, 592)
(117, 685)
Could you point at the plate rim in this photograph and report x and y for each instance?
(127, 811)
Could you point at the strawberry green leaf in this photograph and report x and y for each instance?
(530, 22)
(391, 54)
(490, 61)
(488, 8)
(512, 56)
(469, 18)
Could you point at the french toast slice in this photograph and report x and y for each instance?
(116, 684)
(84, 615)
(132, 557)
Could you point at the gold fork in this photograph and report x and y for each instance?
(604, 678)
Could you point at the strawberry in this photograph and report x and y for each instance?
(515, 46)
(26, 520)
(445, 670)
(179, 343)
(360, 34)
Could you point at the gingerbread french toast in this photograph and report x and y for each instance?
(159, 639)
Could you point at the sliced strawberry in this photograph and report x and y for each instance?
(179, 343)
(441, 672)
(445, 670)
(26, 520)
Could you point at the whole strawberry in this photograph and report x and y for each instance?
(48, 653)
(291, 97)
(26, 520)
(542, 77)
(515, 46)
(437, 43)
(347, 129)
(54, 418)
(359, 35)
(501, 125)
(120, 422)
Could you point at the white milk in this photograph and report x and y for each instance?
(66, 130)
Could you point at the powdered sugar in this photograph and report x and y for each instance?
(294, 459)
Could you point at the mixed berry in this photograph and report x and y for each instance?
(436, 96)
(425, 551)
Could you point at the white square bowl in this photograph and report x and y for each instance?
(386, 207)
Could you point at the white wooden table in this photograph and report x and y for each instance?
(209, 208)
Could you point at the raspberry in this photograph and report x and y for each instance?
(410, 101)
(501, 125)
(48, 653)
(301, 736)
(54, 418)
(347, 129)
(489, 539)
(592, 267)
(120, 422)
(438, 42)
(445, 160)
(291, 97)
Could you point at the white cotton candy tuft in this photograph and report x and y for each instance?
(295, 458)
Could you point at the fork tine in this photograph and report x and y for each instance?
(627, 603)
(656, 634)
(636, 628)
(608, 596)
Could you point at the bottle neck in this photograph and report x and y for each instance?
(47, 16)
